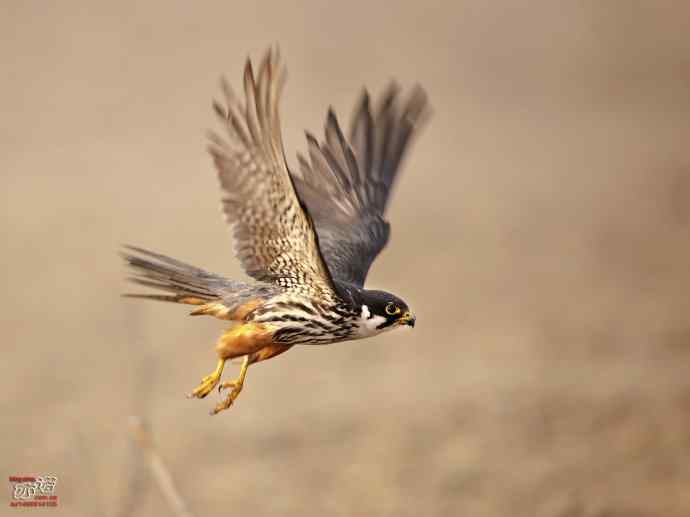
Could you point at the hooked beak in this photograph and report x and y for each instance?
(407, 319)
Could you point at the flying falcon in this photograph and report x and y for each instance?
(307, 238)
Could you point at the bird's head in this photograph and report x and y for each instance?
(382, 311)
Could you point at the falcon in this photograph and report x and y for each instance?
(307, 237)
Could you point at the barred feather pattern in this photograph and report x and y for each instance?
(302, 320)
(295, 318)
(274, 237)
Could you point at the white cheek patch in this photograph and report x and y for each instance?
(367, 327)
(369, 322)
(376, 321)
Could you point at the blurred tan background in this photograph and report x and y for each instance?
(541, 232)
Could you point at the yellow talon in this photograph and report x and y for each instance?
(236, 386)
(209, 382)
(226, 385)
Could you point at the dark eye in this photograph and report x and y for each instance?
(392, 309)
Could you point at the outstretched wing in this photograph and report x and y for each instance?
(274, 236)
(346, 186)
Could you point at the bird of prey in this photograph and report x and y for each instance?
(307, 236)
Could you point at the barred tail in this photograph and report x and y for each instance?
(182, 282)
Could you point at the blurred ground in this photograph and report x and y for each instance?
(541, 232)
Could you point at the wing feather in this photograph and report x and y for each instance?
(274, 236)
(346, 185)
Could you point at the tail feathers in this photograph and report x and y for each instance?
(174, 298)
(184, 283)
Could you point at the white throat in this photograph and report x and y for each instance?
(368, 323)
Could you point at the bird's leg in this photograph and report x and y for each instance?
(236, 386)
(265, 353)
(237, 341)
(249, 340)
(209, 382)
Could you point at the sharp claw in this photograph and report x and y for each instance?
(203, 389)
(212, 381)
(222, 406)
(208, 382)
(226, 386)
